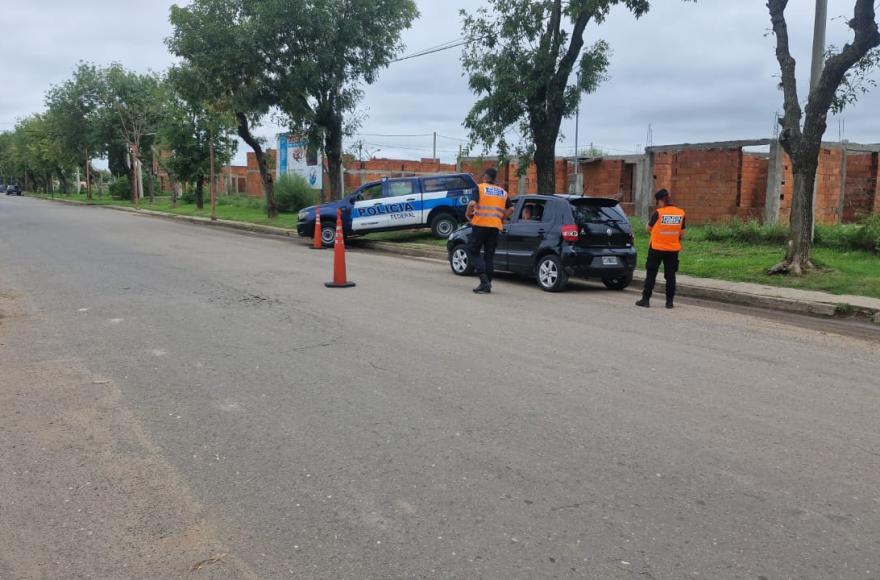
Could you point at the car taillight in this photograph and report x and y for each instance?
(570, 233)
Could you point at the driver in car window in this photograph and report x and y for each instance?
(527, 212)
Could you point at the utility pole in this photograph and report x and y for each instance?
(816, 71)
(819, 42)
(434, 158)
(577, 127)
(213, 182)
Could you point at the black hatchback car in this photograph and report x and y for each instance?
(553, 237)
(13, 189)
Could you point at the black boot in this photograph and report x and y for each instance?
(644, 303)
(485, 286)
(669, 304)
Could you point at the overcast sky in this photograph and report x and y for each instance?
(695, 72)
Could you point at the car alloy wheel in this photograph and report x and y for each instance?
(460, 261)
(548, 273)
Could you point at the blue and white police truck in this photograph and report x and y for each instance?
(402, 203)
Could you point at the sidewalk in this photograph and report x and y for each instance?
(743, 293)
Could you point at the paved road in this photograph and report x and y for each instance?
(182, 402)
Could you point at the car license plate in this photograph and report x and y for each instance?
(609, 261)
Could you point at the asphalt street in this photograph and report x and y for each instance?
(178, 401)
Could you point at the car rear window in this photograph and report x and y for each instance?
(597, 212)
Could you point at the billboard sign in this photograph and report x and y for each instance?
(295, 157)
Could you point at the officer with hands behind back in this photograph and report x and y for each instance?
(666, 227)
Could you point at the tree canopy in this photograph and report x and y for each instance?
(519, 57)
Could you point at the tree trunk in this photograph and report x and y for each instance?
(63, 179)
(88, 177)
(799, 255)
(333, 149)
(265, 174)
(200, 192)
(545, 163)
(150, 186)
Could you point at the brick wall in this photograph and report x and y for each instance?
(603, 178)
(254, 183)
(753, 185)
(704, 182)
(861, 186)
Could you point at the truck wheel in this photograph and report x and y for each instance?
(328, 235)
(618, 283)
(460, 261)
(551, 275)
(442, 225)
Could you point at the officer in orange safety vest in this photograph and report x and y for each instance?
(666, 227)
(487, 214)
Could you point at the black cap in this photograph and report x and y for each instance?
(662, 194)
(491, 173)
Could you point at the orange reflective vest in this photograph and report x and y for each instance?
(491, 206)
(666, 233)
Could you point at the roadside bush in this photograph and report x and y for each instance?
(864, 236)
(293, 193)
(188, 197)
(120, 188)
(748, 232)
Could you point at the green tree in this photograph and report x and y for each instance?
(802, 129)
(74, 107)
(220, 42)
(189, 129)
(38, 153)
(519, 57)
(134, 102)
(321, 53)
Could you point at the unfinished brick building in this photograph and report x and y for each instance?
(720, 181)
(712, 181)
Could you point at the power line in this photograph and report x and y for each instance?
(432, 50)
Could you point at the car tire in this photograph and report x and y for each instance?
(618, 283)
(550, 274)
(328, 235)
(460, 261)
(442, 225)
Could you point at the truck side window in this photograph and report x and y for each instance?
(372, 192)
(396, 188)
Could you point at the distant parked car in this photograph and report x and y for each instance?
(13, 189)
(437, 202)
(552, 237)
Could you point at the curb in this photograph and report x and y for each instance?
(728, 296)
(228, 224)
(704, 290)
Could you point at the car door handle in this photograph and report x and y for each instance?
(410, 199)
(542, 231)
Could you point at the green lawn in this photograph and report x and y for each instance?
(232, 207)
(842, 271)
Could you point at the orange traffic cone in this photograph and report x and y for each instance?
(319, 244)
(339, 280)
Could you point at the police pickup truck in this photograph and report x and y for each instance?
(437, 202)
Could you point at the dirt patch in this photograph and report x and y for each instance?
(85, 493)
